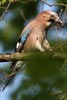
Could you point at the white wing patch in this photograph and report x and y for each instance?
(18, 45)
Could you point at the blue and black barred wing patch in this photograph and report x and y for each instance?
(22, 40)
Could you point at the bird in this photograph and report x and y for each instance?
(34, 35)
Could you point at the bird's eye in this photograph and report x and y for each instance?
(51, 18)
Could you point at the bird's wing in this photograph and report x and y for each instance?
(22, 39)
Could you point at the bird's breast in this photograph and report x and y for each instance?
(32, 38)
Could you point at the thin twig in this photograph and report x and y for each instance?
(5, 10)
(60, 41)
(22, 14)
(57, 4)
(56, 47)
(64, 17)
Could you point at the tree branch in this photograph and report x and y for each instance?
(23, 56)
(13, 56)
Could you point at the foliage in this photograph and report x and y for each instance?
(14, 20)
(45, 78)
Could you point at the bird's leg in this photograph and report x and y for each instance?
(46, 45)
(38, 46)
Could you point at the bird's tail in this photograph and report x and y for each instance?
(5, 78)
(8, 80)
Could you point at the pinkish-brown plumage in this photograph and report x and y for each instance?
(38, 31)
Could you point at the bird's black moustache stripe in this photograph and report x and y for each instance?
(51, 20)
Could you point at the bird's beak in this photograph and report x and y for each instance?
(59, 22)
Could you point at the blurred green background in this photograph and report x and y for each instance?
(43, 78)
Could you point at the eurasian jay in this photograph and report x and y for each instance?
(34, 35)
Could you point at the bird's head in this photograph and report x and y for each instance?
(50, 17)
